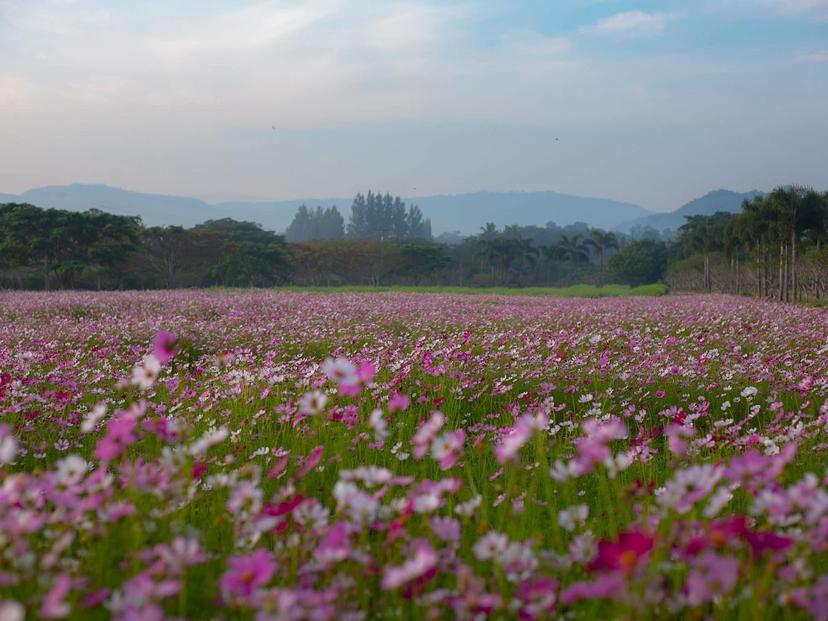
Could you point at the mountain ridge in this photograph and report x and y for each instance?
(463, 212)
(715, 200)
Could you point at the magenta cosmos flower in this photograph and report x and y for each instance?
(624, 553)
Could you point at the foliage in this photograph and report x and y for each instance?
(375, 216)
(640, 262)
(314, 224)
(772, 249)
(771, 246)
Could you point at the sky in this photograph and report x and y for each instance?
(653, 102)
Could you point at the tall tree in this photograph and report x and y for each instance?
(572, 249)
(602, 242)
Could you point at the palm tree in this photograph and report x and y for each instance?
(601, 242)
(796, 210)
(571, 249)
(487, 246)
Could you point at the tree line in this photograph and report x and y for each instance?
(373, 216)
(775, 247)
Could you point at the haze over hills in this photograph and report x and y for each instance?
(459, 212)
(468, 212)
(710, 203)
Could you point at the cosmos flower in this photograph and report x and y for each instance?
(420, 567)
(340, 370)
(447, 448)
(713, 575)
(119, 435)
(421, 441)
(624, 553)
(246, 573)
(164, 346)
(145, 374)
(490, 545)
(606, 586)
(312, 403)
(12, 610)
(54, 605)
(8, 445)
(536, 598)
(91, 420)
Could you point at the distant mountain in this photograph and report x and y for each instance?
(710, 203)
(277, 215)
(468, 212)
(459, 212)
(154, 209)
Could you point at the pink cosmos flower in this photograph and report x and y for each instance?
(398, 402)
(246, 573)
(425, 434)
(164, 346)
(675, 438)
(118, 436)
(606, 586)
(350, 378)
(310, 462)
(712, 575)
(364, 374)
(54, 605)
(417, 570)
(537, 598)
(334, 546)
(508, 448)
(446, 528)
(592, 447)
(472, 601)
(519, 435)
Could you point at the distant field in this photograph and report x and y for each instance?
(575, 291)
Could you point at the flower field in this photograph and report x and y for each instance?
(286, 456)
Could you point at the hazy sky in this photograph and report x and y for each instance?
(654, 102)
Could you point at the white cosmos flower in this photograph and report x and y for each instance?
(8, 445)
(490, 545)
(71, 469)
(91, 420)
(145, 374)
(340, 370)
(312, 403)
(11, 610)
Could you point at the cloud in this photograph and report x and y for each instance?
(283, 63)
(818, 56)
(531, 44)
(183, 95)
(629, 23)
(817, 8)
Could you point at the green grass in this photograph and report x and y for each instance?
(574, 291)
